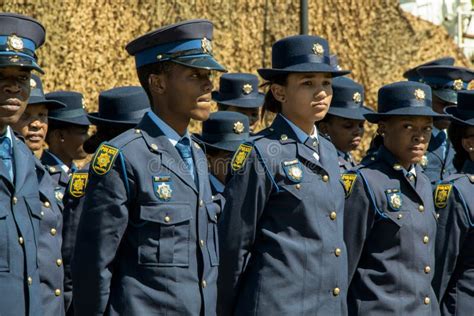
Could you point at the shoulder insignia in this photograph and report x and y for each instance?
(293, 170)
(394, 199)
(442, 193)
(348, 180)
(78, 183)
(104, 159)
(241, 156)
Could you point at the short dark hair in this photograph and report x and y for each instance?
(145, 71)
(270, 103)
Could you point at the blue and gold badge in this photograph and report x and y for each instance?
(394, 199)
(78, 183)
(348, 180)
(442, 193)
(240, 156)
(293, 170)
(162, 187)
(104, 159)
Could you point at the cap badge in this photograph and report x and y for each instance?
(357, 97)
(14, 42)
(458, 84)
(318, 49)
(83, 103)
(206, 46)
(419, 94)
(247, 88)
(32, 83)
(238, 127)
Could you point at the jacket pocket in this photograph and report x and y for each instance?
(213, 211)
(164, 239)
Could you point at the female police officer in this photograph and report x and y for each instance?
(281, 234)
(454, 201)
(389, 218)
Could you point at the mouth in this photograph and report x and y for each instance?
(417, 149)
(356, 141)
(34, 137)
(11, 105)
(319, 105)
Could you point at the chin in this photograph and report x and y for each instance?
(200, 115)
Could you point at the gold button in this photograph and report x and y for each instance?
(30, 281)
(283, 137)
(203, 283)
(154, 147)
(21, 240)
(333, 215)
(325, 178)
(137, 131)
(421, 208)
(298, 186)
(57, 292)
(315, 143)
(372, 158)
(201, 203)
(427, 269)
(399, 216)
(53, 231)
(437, 215)
(337, 252)
(15, 200)
(201, 242)
(427, 300)
(42, 213)
(426, 239)
(46, 204)
(59, 262)
(167, 219)
(336, 291)
(215, 217)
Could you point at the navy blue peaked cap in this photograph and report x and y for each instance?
(121, 106)
(348, 99)
(300, 54)
(37, 95)
(73, 113)
(404, 98)
(20, 37)
(225, 130)
(446, 81)
(188, 43)
(412, 74)
(239, 89)
(464, 111)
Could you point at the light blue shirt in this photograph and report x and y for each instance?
(218, 185)
(170, 133)
(9, 134)
(302, 136)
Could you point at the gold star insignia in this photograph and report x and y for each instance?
(14, 42)
(419, 94)
(206, 46)
(357, 97)
(458, 84)
(318, 49)
(238, 127)
(247, 88)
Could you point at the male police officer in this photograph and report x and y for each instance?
(147, 237)
(20, 208)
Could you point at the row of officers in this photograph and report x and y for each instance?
(234, 222)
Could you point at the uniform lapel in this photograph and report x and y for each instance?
(20, 157)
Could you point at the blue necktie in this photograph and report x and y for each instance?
(442, 139)
(6, 155)
(184, 149)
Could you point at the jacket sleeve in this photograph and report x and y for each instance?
(452, 229)
(246, 195)
(358, 221)
(101, 227)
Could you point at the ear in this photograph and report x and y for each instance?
(157, 83)
(467, 144)
(279, 92)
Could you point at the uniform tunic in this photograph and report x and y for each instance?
(281, 232)
(345, 160)
(147, 237)
(59, 172)
(454, 274)
(438, 164)
(389, 229)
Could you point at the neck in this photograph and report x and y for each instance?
(305, 126)
(38, 153)
(179, 124)
(3, 129)
(62, 156)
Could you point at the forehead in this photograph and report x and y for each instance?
(35, 108)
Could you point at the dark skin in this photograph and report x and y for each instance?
(14, 94)
(219, 161)
(67, 143)
(468, 142)
(438, 106)
(33, 126)
(252, 113)
(181, 94)
(406, 137)
(346, 134)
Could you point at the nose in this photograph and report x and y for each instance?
(35, 123)
(208, 86)
(11, 87)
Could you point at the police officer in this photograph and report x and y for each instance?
(281, 234)
(445, 82)
(20, 211)
(389, 219)
(33, 126)
(454, 203)
(238, 92)
(413, 75)
(147, 237)
(67, 133)
(344, 123)
(120, 109)
(221, 135)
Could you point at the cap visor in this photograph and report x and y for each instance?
(50, 104)
(96, 120)
(446, 95)
(245, 102)
(453, 112)
(202, 62)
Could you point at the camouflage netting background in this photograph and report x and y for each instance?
(85, 43)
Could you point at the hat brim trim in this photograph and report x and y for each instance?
(22, 62)
(50, 104)
(446, 95)
(81, 120)
(270, 73)
(245, 102)
(453, 112)
(201, 62)
(352, 114)
(405, 111)
(95, 119)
